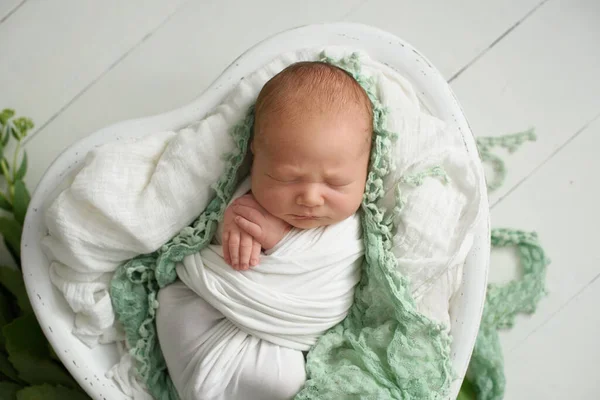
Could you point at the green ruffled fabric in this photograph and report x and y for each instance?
(502, 304)
(485, 377)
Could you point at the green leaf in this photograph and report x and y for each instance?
(53, 353)
(6, 315)
(8, 390)
(7, 368)
(23, 125)
(13, 253)
(12, 280)
(5, 115)
(22, 168)
(6, 130)
(21, 201)
(11, 230)
(36, 371)
(5, 167)
(24, 336)
(4, 203)
(14, 132)
(467, 391)
(28, 352)
(48, 392)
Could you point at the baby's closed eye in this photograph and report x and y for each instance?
(339, 183)
(283, 179)
(335, 182)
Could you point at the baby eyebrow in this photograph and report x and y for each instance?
(340, 182)
(337, 176)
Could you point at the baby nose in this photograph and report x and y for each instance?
(310, 197)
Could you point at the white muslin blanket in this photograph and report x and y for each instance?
(133, 196)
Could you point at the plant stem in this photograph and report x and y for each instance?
(5, 172)
(15, 160)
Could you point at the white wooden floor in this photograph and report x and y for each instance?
(75, 66)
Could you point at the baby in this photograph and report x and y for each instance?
(227, 334)
(311, 147)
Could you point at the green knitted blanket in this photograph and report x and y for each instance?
(383, 349)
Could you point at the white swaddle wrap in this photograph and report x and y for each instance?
(297, 292)
(301, 288)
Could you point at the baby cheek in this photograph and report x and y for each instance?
(347, 203)
(276, 199)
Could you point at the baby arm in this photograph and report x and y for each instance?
(253, 219)
(248, 227)
(240, 249)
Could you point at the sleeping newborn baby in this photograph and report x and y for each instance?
(287, 256)
(311, 146)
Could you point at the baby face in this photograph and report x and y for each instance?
(311, 172)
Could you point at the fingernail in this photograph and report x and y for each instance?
(244, 266)
(254, 261)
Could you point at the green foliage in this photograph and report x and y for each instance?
(11, 230)
(8, 390)
(48, 392)
(21, 201)
(12, 280)
(467, 392)
(29, 368)
(29, 354)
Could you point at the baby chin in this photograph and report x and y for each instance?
(307, 222)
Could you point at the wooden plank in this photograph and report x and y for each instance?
(560, 202)
(175, 65)
(560, 361)
(185, 55)
(51, 50)
(8, 7)
(544, 74)
(449, 33)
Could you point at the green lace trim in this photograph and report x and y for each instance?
(485, 376)
(510, 142)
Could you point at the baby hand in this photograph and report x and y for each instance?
(254, 220)
(240, 249)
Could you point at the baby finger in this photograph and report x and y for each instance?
(225, 242)
(234, 248)
(251, 228)
(255, 258)
(245, 250)
(250, 213)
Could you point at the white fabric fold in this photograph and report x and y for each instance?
(296, 293)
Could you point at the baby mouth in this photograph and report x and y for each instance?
(304, 217)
